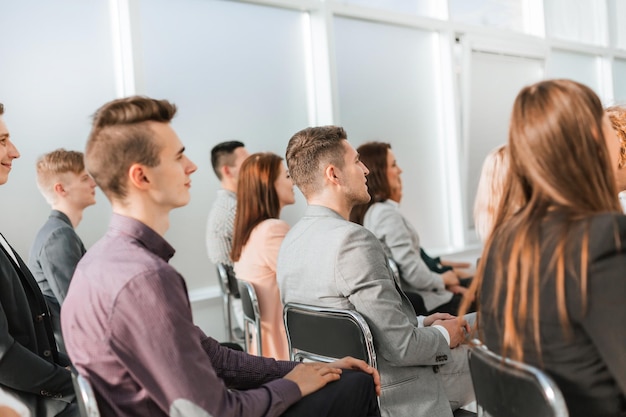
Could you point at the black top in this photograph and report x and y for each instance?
(589, 364)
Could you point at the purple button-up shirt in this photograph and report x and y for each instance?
(128, 328)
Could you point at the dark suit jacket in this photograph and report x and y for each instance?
(589, 363)
(30, 366)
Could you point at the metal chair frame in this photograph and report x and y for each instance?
(86, 399)
(361, 348)
(251, 314)
(548, 393)
(228, 284)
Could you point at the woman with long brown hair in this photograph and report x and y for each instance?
(263, 189)
(551, 281)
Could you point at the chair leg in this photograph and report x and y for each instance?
(228, 333)
(259, 349)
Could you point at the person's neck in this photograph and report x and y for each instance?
(156, 219)
(340, 206)
(229, 186)
(73, 213)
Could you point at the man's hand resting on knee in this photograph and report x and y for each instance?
(310, 377)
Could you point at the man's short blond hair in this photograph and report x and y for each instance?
(52, 166)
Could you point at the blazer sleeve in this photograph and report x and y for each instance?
(363, 277)
(393, 230)
(58, 259)
(606, 308)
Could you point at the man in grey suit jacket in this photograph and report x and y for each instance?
(326, 260)
(69, 189)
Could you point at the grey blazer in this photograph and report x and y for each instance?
(52, 260)
(402, 244)
(328, 261)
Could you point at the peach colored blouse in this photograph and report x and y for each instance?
(257, 265)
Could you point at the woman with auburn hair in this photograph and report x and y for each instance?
(551, 278)
(490, 190)
(430, 288)
(264, 187)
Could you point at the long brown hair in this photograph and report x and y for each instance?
(559, 166)
(374, 156)
(257, 199)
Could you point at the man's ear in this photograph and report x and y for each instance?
(226, 171)
(58, 188)
(137, 176)
(330, 174)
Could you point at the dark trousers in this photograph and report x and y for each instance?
(451, 307)
(353, 395)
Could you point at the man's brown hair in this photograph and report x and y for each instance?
(309, 149)
(121, 136)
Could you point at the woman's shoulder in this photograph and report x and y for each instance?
(270, 226)
(609, 227)
(380, 210)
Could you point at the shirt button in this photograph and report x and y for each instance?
(39, 317)
(47, 353)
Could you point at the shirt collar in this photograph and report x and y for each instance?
(392, 203)
(61, 216)
(151, 240)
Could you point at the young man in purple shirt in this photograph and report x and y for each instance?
(127, 319)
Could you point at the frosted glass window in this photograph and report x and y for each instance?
(620, 14)
(57, 68)
(236, 71)
(619, 80)
(579, 67)
(495, 82)
(504, 14)
(387, 92)
(428, 8)
(577, 20)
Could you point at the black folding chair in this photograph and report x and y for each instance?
(230, 291)
(251, 314)
(326, 334)
(508, 388)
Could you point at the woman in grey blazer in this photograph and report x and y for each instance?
(429, 291)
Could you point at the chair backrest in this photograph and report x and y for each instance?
(227, 280)
(85, 398)
(251, 313)
(326, 334)
(505, 387)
